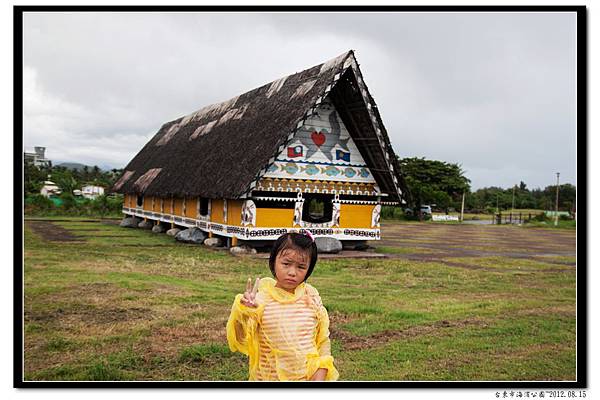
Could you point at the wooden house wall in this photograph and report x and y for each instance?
(356, 215)
(191, 207)
(147, 203)
(322, 150)
(234, 212)
(216, 211)
(178, 206)
(274, 217)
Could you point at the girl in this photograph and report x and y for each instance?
(281, 324)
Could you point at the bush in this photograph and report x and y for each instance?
(542, 217)
(393, 212)
(38, 203)
(68, 202)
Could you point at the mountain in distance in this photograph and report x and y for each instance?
(79, 166)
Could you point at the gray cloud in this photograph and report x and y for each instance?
(493, 92)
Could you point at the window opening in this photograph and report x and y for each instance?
(318, 208)
(203, 207)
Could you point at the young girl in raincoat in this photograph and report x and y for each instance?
(281, 324)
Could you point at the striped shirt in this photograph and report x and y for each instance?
(290, 333)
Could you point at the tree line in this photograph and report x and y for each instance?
(443, 184)
(68, 180)
(426, 181)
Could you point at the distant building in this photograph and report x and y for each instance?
(38, 157)
(91, 191)
(49, 189)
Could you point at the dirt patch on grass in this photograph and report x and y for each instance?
(560, 311)
(168, 340)
(52, 232)
(355, 342)
(442, 244)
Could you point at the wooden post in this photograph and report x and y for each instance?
(233, 241)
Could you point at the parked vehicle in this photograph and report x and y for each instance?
(425, 210)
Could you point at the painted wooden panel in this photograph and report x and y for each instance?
(147, 203)
(178, 206)
(216, 211)
(307, 186)
(234, 212)
(191, 207)
(322, 150)
(355, 215)
(274, 217)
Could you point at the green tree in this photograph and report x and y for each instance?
(65, 180)
(434, 182)
(33, 178)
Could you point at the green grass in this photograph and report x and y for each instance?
(569, 224)
(147, 308)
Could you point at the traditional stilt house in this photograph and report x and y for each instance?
(307, 151)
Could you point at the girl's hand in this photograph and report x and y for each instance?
(249, 298)
(319, 375)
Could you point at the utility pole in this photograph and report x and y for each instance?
(462, 208)
(497, 209)
(556, 203)
(513, 200)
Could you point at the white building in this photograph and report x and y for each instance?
(38, 157)
(49, 189)
(91, 191)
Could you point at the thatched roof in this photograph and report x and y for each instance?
(222, 150)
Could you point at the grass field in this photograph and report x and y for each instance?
(109, 303)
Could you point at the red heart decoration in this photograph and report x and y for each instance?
(318, 138)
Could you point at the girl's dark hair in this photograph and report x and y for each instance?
(296, 241)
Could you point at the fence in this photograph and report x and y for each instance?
(512, 218)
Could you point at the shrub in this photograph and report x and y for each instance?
(68, 202)
(490, 210)
(542, 217)
(38, 203)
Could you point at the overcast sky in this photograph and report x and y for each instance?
(493, 92)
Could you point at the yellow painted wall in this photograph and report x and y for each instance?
(191, 207)
(234, 212)
(169, 204)
(216, 211)
(178, 206)
(274, 217)
(147, 203)
(356, 215)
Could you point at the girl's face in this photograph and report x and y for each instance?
(291, 266)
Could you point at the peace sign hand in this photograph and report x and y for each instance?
(249, 298)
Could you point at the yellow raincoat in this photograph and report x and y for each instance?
(286, 337)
